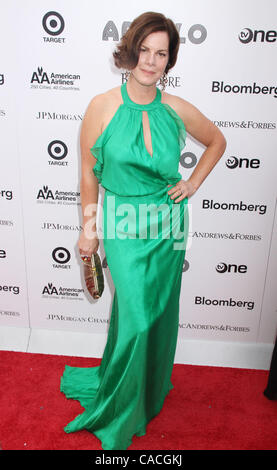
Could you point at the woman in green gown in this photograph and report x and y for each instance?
(131, 141)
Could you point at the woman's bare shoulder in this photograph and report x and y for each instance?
(102, 107)
(181, 106)
(107, 99)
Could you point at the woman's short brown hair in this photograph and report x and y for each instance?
(127, 53)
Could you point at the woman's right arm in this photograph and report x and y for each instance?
(89, 190)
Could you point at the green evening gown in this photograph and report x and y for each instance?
(145, 255)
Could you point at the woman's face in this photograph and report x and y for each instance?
(153, 58)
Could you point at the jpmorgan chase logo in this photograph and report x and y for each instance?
(53, 24)
(247, 35)
(54, 116)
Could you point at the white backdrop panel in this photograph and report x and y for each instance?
(228, 275)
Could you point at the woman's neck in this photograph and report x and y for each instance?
(140, 93)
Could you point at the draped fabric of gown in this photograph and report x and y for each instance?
(128, 388)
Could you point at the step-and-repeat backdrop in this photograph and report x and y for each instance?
(55, 56)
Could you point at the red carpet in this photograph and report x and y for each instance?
(209, 408)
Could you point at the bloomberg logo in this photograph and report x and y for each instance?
(247, 35)
(234, 206)
(254, 89)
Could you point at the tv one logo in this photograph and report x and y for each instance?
(247, 35)
(233, 162)
(223, 268)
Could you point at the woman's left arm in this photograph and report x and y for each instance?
(205, 131)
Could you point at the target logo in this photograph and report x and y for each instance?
(57, 150)
(61, 255)
(53, 23)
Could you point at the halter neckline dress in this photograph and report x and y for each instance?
(144, 237)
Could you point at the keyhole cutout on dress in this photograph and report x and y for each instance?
(147, 133)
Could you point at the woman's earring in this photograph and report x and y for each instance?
(163, 80)
(126, 75)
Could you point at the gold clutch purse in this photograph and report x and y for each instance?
(93, 275)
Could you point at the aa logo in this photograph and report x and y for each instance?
(50, 289)
(40, 76)
(45, 193)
